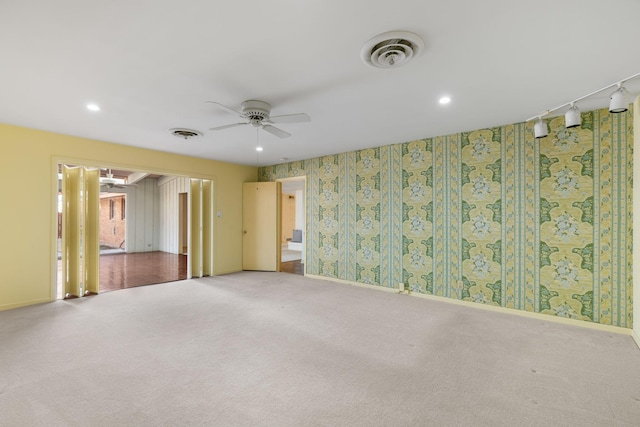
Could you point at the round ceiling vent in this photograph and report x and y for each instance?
(391, 49)
(185, 133)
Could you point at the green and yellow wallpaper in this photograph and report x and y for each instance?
(492, 216)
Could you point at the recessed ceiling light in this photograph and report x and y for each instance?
(445, 100)
(93, 107)
(258, 148)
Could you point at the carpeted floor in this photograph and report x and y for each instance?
(274, 349)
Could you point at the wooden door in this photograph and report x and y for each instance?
(261, 226)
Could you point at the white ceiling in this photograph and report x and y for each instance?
(151, 65)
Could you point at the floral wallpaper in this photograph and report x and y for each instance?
(492, 216)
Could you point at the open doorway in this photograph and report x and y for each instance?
(293, 225)
(139, 212)
(143, 229)
(183, 222)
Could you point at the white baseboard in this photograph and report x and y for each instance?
(539, 316)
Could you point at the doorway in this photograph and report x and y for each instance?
(183, 222)
(144, 222)
(293, 225)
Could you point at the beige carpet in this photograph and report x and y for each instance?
(273, 349)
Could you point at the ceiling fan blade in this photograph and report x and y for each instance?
(290, 118)
(275, 131)
(232, 125)
(227, 109)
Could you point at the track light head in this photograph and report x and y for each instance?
(617, 104)
(572, 117)
(618, 100)
(540, 128)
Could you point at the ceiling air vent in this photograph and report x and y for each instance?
(392, 49)
(185, 133)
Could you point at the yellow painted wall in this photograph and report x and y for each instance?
(27, 203)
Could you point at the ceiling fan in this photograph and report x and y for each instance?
(109, 182)
(257, 114)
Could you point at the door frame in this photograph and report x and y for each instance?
(57, 160)
(304, 216)
(183, 223)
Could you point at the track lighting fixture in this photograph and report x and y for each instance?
(618, 100)
(540, 128)
(617, 104)
(572, 117)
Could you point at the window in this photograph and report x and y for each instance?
(112, 209)
(123, 210)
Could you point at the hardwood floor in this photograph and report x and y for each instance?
(122, 271)
(294, 267)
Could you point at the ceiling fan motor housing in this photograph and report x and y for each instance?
(256, 111)
(258, 114)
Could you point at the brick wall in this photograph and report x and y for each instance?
(112, 221)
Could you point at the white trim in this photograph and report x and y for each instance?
(133, 167)
(636, 338)
(538, 316)
(636, 224)
(305, 193)
(348, 282)
(53, 245)
(57, 160)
